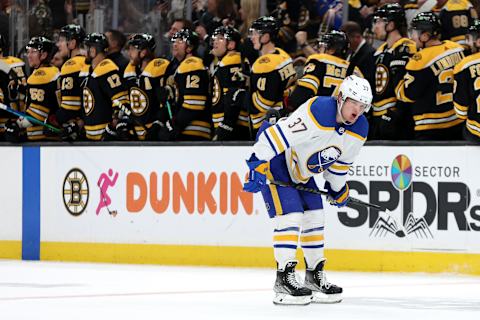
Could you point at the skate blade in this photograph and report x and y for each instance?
(288, 300)
(320, 297)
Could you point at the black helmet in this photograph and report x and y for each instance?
(42, 44)
(97, 40)
(336, 40)
(427, 22)
(229, 33)
(142, 41)
(189, 36)
(72, 31)
(266, 24)
(392, 12)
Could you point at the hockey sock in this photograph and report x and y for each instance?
(285, 237)
(311, 239)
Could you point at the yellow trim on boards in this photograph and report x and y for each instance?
(10, 249)
(341, 260)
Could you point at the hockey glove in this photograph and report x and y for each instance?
(123, 128)
(337, 198)
(166, 132)
(109, 134)
(70, 131)
(257, 175)
(13, 133)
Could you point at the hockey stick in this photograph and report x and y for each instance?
(30, 118)
(350, 201)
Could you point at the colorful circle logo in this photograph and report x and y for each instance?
(401, 172)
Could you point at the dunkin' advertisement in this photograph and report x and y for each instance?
(193, 195)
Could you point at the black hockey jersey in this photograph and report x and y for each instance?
(428, 88)
(226, 79)
(272, 75)
(390, 69)
(103, 90)
(466, 95)
(12, 69)
(147, 97)
(70, 89)
(322, 76)
(192, 120)
(456, 16)
(42, 99)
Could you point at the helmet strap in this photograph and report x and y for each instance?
(340, 102)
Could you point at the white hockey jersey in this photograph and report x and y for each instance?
(314, 142)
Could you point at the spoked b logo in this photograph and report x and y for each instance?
(75, 192)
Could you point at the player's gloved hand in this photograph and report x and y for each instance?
(337, 198)
(166, 132)
(257, 174)
(123, 128)
(123, 107)
(154, 131)
(223, 132)
(70, 131)
(110, 134)
(12, 132)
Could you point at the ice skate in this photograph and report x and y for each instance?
(323, 291)
(288, 291)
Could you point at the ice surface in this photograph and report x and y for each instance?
(51, 290)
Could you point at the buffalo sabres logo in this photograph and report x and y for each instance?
(320, 161)
(75, 192)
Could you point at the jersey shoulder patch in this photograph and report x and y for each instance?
(457, 5)
(130, 71)
(191, 64)
(426, 57)
(104, 67)
(269, 62)
(43, 75)
(405, 45)
(14, 61)
(328, 59)
(323, 111)
(8, 63)
(73, 65)
(156, 68)
(231, 59)
(467, 62)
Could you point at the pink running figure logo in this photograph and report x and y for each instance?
(104, 182)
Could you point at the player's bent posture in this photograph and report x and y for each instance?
(324, 135)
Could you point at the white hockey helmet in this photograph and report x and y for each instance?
(357, 89)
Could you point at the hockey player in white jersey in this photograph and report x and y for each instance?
(324, 135)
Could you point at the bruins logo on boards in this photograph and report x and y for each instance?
(75, 192)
